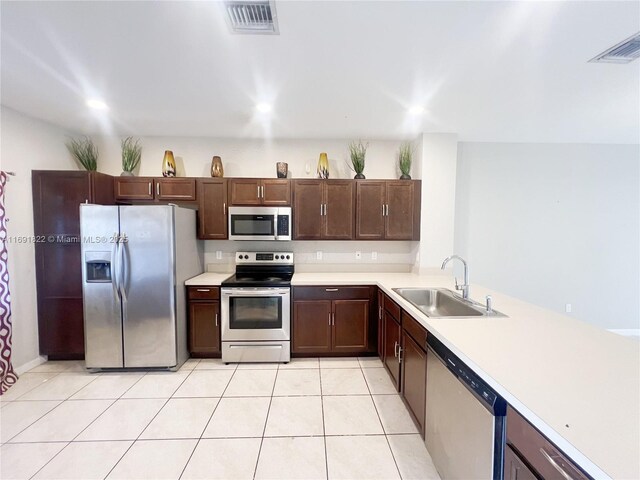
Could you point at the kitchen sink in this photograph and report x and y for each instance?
(443, 303)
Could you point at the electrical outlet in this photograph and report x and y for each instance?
(358, 255)
(374, 255)
(218, 254)
(307, 168)
(567, 308)
(319, 255)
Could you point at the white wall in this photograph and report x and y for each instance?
(438, 173)
(26, 144)
(251, 158)
(554, 224)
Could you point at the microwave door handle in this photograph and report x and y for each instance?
(275, 226)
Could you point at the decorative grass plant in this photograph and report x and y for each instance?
(357, 152)
(405, 157)
(85, 152)
(131, 153)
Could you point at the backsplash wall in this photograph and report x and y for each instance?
(337, 256)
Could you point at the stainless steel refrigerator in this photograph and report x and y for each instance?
(135, 260)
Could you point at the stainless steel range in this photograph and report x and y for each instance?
(256, 308)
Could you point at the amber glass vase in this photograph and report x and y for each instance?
(168, 164)
(217, 170)
(323, 166)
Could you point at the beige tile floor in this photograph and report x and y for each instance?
(312, 418)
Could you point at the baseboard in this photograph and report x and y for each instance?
(29, 365)
(627, 332)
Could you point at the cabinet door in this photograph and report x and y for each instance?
(414, 377)
(370, 221)
(245, 191)
(133, 188)
(276, 192)
(339, 212)
(311, 326)
(380, 325)
(307, 216)
(391, 346)
(399, 211)
(175, 189)
(204, 328)
(212, 209)
(350, 326)
(514, 468)
(56, 200)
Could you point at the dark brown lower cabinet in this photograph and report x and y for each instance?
(204, 321)
(311, 326)
(391, 347)
(541, 457)
(414, 378)
(514, 468)
(333, 321)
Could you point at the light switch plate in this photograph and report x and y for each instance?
(218, 254)
(374, 255)
(319, 255)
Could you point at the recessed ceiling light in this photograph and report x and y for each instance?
(97, 104)
(263, 107)
(416, 110)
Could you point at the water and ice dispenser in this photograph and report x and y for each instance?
(98, 267)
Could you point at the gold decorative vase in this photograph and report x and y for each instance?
(323, 166)
(168, 164)
(217, 170)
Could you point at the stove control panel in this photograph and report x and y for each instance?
(264, 258)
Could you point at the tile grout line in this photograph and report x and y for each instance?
(49, 411)
(152, 419)
(90, 423)
(383, 429)
(208, 421)
(266, 420)
(324, 431)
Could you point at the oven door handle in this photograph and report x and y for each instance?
(239, 292)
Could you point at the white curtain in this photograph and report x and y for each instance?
(7, 375)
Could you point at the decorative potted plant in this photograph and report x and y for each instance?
(85, 152)
(405, 156)
(357, 151)
(131, 153)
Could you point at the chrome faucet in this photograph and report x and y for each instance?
(465, 286)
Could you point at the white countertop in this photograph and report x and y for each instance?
(210, 279)
(578, 384)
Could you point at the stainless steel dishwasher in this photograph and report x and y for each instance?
(465, 419)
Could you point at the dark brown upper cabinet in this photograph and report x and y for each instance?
(57, 196)
(259, 191)
(323, 209)
(212, 209)
(388, 210)
(150, 188)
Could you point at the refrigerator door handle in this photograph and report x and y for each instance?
(122, 271)
(114, 267)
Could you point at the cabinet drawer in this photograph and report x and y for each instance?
(415, 330)
(331, 293)
(539, 452)
(204, 293)
(392, 307)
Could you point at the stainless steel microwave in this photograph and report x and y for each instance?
(259, 223)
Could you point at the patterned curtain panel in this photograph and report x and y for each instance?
(7, 375)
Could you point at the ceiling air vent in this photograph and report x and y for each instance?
(624, 52)
(251, 17)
